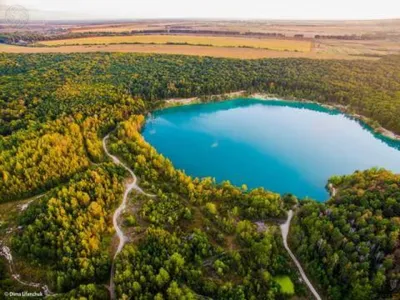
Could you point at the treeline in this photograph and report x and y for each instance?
(196, 238)
(351, 245)
(354, 37)
(31, 37)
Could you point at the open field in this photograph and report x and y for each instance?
(272, 44)
(228, 38)
(122, 27)
(288, 28)
(324, 39)
(242, 53)
(307, 28)
(373, 47)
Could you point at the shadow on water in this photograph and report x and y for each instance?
(387, 140)
(283, 146)
(244, 102)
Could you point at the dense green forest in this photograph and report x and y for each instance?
(68, 229)
(350, 244)
(31, 83)
(194, 238)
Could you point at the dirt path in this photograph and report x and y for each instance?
(24, 206)
(129, 187)
(285, 231)
(122, 238)
(6, 253)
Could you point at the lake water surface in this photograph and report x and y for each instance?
(285, 147)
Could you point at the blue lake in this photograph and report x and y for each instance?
(285, 147)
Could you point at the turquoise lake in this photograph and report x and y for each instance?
(285, 147)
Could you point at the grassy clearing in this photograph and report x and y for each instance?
(286, 284)
(272, 44)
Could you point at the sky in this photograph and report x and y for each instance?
(229, 9)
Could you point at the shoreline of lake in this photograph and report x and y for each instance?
(289, 141)
(271, 97)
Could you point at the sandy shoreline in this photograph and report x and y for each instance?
(269, 97)
(196, 100)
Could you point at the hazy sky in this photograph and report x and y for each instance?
(258, 9)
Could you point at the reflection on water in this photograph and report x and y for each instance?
(282, 146)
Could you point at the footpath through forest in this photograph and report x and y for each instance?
(129, 187)
(285, 231)
(133, 185)
(6, 253)
(122, 238)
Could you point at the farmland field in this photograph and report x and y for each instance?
(288, 28)
(242, 53)
(375, 47)
(272, 44)
(118, 27)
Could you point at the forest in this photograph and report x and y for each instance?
(351, 243)
(32, 83)
(67, 229)
(195, 238)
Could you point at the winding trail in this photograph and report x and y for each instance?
(6, 253)
(129, 187)
(285, 231)
(122, 238)
(23, 207)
